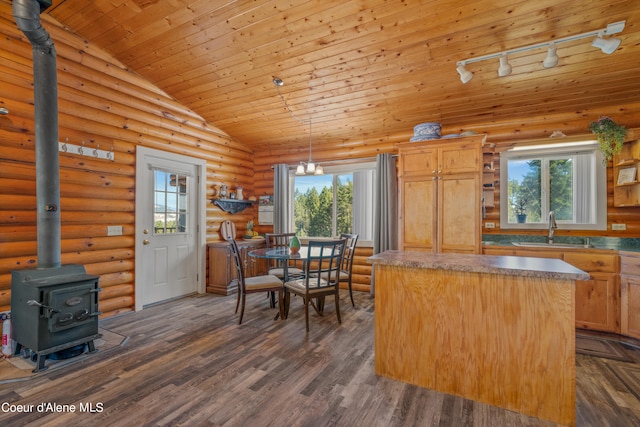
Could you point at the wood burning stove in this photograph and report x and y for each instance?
(53, 309)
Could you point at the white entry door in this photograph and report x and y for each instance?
(169, 245)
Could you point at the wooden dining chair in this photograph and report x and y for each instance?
(321, 279)
(247, 285)
(346, 271)
(276, 267)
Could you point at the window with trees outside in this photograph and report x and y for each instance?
(170, 202)
(568, 179)
(340, 201)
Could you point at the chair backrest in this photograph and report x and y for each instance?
(277, 240)
(239, 267)
(349, 251)
(324, 262)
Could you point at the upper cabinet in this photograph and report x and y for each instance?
(626, 187)
(440, 184)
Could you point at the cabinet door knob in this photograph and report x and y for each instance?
(145, 242)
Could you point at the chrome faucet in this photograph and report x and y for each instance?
(552, 226)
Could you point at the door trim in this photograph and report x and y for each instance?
(201, 200)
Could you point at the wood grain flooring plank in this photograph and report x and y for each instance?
(188, 363)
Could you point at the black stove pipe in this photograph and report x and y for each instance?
(45, 87)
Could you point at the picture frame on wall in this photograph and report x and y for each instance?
(627, 176)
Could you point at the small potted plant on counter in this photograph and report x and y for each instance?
(610, 135)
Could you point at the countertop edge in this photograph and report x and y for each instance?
(476, 263)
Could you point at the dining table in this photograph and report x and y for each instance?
(283, 254)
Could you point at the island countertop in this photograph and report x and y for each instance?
(509, 265)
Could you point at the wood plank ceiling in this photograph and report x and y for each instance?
(362, 69)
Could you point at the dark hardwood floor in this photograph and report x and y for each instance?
(187, 362)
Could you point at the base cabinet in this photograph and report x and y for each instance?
(597, 300)
(222, 269)
(630, 294)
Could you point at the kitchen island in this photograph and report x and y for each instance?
(495, 329)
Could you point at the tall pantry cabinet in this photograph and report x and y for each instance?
(440, 197)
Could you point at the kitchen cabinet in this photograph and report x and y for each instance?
(597, 300)
(630, 294)
(626, 186)
(222, 268)
(440, 196)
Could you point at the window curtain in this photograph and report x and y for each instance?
(385, 231)
(281, 195)
(363, 203)
(585, 188)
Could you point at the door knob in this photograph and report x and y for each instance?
(145, 242)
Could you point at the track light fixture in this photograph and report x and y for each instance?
(505, 67)
(607, 46)
(465, 75)
(551, 60)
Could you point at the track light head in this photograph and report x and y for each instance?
(465, 75)
(551, 60)
(505, 67)
(607, 46)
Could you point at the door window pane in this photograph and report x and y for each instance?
(170, 202)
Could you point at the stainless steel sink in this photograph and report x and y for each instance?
(552, 245)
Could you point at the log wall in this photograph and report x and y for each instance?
(106, 106)
(101, 105)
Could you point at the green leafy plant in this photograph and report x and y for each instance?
(610, 136)
(520, 204)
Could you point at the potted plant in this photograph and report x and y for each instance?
(610, 136)
(520, 208)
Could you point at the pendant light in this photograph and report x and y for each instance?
(304, 168)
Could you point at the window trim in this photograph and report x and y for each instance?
(572, 147)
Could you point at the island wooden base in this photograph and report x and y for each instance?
(504, 340)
